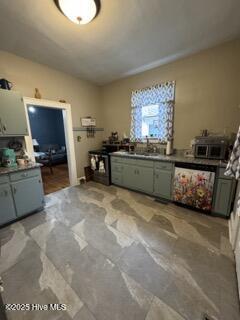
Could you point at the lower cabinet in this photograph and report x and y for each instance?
(129, 176)
(138, 178)
(21, 192)
(163, 183)
(223, 196)
(141, 175)
(28, 195)
(145, 179)
(155, 178)
(7, 209)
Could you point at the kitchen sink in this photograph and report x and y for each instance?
(144, 154)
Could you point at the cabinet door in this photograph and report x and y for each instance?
(12, 113)
(163, 183)
(145, 179)
(223, 197)
(129, 176)
(7, 210)
(28, 195)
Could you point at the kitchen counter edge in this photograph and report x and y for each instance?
(172, 158)
(4, 170)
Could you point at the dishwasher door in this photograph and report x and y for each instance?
(193, 185)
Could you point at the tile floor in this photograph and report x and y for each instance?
(112, 254)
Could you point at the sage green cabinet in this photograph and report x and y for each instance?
(145, 179)
(156, 178)
(138, 177)
(21, 193)
(163, 183)
(117, 178)
(13, 121)
(129, 176)
(7, 209)
(223, 196)
(28, 195)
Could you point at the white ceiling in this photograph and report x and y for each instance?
(127, 37)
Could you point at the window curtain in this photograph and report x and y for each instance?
(163, 95)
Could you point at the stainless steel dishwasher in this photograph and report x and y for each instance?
(194, 185)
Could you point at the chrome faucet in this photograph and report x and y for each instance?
(149, 145)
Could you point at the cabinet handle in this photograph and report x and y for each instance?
(4, 127)
(5, 193)
(157, 176)
(14, 190)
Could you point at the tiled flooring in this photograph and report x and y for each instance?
(56, 181)
(112, 254)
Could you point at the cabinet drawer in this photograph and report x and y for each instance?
(4, 179)
(117, 167)
(221, 174)
(130, 161)
(116, 160)
(145, 163)
(164, 165)
(24, 174)
(116, 178)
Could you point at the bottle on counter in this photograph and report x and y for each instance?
(169, 149)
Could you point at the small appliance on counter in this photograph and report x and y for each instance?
(8, 158)
(211, 147)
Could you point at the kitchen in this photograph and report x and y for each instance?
(150, 222)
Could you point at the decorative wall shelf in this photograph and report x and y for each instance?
(87, 128)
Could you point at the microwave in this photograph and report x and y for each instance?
(210, 147)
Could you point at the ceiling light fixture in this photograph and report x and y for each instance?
(79, 11)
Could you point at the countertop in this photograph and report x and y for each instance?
(172, 158)
(4, 170)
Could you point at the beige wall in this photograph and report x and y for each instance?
(54, 85)
(207, 93)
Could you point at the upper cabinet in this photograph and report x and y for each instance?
(13, 121)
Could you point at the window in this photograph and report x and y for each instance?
(152, 113)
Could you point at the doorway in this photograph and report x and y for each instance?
(49, 146)
(52, 140)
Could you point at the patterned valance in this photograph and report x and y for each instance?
(154, 95)
(162, 95)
